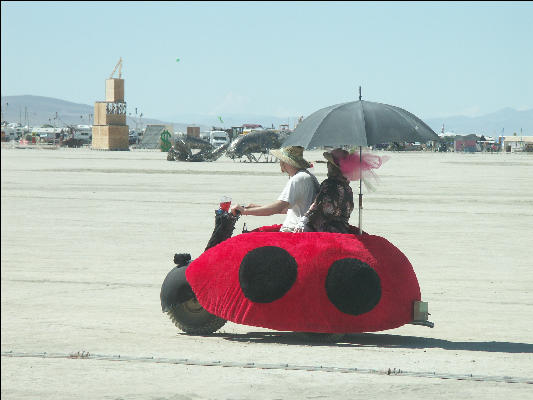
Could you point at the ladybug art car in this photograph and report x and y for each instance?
(313, 282)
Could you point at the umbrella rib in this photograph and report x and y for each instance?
(324, 117)
(392, 108)
(417, 119)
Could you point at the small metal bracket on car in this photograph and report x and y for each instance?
(429, 324)
(420, 314)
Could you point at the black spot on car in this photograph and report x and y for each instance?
(353, 286)
(267, 273)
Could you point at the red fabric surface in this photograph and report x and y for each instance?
(268, 228)
(214, 278)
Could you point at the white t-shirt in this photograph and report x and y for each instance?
(299, 192)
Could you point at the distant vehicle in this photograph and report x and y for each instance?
(205, 135)
(46, 135)
(8, 133)
(248, 128)
(218, 138)
(77, 135)
(83, 133)
(133, 137)
(15, 130)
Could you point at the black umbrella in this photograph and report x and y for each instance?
(359, 123)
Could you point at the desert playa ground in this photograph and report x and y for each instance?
(88, 237)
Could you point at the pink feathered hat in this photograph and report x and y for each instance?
(351, 166)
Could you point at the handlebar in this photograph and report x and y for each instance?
(220, 211)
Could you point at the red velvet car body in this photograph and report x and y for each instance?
(306, 305)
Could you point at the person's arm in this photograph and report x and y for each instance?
(318, 209)
(278, 207)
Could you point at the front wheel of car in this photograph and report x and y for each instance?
(192, 318)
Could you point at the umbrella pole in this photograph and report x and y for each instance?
(360, 192)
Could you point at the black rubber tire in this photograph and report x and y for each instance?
(175, 288)
(191, 317)
(322, 337)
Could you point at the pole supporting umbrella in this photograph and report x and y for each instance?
(360, 179)
(360, 190)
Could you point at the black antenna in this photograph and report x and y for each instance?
(360, 97)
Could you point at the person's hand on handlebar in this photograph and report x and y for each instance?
(237, 209)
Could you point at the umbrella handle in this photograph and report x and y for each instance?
(360, 213)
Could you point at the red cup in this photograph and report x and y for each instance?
(225, 203)
(225, 206)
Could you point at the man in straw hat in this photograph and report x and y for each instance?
(297, 195)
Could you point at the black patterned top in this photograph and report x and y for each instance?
(332, 207)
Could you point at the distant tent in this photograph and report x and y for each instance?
(467, 143)
(151, 138)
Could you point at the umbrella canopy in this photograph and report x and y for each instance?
(359, 123)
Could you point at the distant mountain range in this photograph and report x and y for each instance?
(39, 110)
(506, 121)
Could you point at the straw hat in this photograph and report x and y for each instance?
(292, 155)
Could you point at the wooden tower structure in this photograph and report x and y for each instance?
(110, 131)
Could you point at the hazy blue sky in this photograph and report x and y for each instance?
(434, 59)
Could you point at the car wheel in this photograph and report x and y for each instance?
(192, 318)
